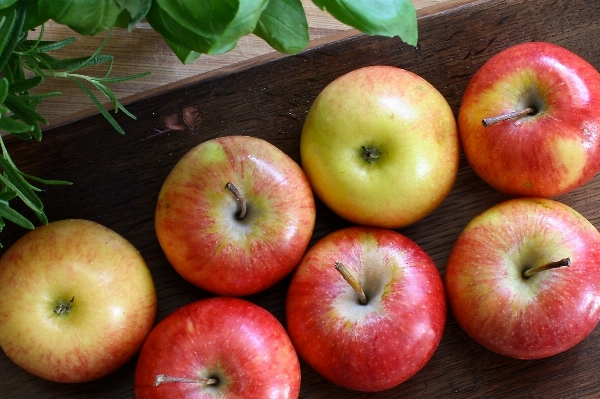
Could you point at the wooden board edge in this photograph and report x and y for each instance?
(425, 12)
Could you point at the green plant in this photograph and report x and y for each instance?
(192, 27)
(24, 64)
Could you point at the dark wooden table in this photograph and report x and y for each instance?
(117, 180)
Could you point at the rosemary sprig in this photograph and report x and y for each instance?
(24, 64)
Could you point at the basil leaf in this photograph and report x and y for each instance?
(175, 33)
(137, 10)
(34, 18)
(6, 3)
(376, 17)
(87, 17)
(283, 26)
(221, 22)
(185, 55)
(205, 18)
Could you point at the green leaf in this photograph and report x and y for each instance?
(14, 126)
(87, 17)
(137, 10)
(174, 34)
(377, 17)
(283, 26)
(185, 55)
(4, 88)
(220, 23)
(119, 79)
(10, 33)
(22, 136)
(34, 17)
(72, 64)
(48, 182)
(37, 97)
(7, 3)
(7, 195)
(13, 179)
(8, 213)
(23, 85)
(7, 20)
(36, 133)
(23, 111)
(98, 105)
(206, 18)
(42, 217)
(37, 47)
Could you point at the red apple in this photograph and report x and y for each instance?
(76, 301)
(380, 147)
(508, 284)
(216, 243)
(218, 348)
(550, 142)
(375, 322)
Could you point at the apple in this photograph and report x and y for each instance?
(235, 215)
(380, 147)
(76, 301)
(529, 121)
(218, 347)
(366, 308)
(523, 278)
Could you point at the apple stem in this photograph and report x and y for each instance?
(510, 115)
(552, 265)
(352, 281)
(229, 186)
(370, 154)
(162, 378)
(63, 307)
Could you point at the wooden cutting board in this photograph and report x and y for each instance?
(117, 179)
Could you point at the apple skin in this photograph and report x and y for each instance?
(236, 341)
(542, 155)
(401, 115)
(113, 301)
(526, 318)
(196, 221)
(375, 346)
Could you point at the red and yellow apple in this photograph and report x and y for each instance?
(218, 348)
(380, 147)
(523, 278)
(235, 215)
(366, 308)
(76, 301)
(529, 121)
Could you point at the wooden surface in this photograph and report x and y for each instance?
(117, 180)
(143, 50)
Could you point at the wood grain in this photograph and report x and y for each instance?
(143, 50)
(117, 180)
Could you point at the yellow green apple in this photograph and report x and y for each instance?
(380, 147)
